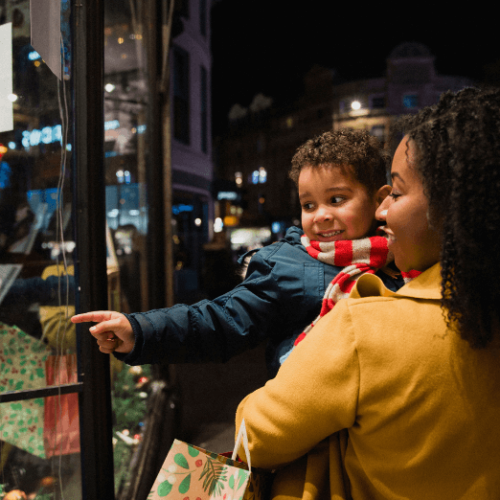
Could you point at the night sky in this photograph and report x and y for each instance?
(268, 45)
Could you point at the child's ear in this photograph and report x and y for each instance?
(382, 194)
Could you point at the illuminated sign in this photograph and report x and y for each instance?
(33, 55)
(46, 135)
(177, 209)
(227, 195)
(111, 125)
(231, 220)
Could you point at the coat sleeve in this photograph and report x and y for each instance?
(314, 395)
(213, 331)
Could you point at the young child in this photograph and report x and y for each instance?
(341, 179)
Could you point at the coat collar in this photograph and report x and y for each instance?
(426, 286)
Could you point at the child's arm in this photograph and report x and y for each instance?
(113, 330)
(209, 331)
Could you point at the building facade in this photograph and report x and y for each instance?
(266, 137)
(192, 167)
(410, 83)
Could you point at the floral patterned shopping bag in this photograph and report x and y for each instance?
(192, 473)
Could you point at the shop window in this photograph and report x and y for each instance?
(238, 178)
(203, 17)
(181, 123)
(182, 6)
(410, 101)
(258, 176)
(39, 426)
(379, 132)
(377, 102)
(204, 109)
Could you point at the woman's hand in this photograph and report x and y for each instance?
(113, 330)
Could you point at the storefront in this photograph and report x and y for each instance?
(82, 184)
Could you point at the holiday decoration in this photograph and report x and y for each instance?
(15, 495)
(22, 367)
(135, 370)
(130, 393)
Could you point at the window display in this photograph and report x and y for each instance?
(39, 421)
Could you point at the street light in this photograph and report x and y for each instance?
(355, 105)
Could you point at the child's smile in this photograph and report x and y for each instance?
(335, 206)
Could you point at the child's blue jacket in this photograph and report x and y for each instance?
(281, 294)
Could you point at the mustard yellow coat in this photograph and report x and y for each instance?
(381, 402)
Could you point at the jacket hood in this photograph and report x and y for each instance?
(293, 235)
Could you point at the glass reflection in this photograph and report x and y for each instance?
(39, 437)
(126, 137)
(40, 449)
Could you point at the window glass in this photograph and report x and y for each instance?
(182, 7)
(39, 424)
(379, 132)
(44, 458)
(181, 123)
(204, 109)
(203, 17)
(126, 136)
(410, 101)
(378, 102)
(189, 233)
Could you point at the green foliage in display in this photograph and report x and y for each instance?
(129, 408)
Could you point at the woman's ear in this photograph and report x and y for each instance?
(382, 194)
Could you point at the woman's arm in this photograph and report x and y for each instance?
(314, 394)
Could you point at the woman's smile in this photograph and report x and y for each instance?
(413, 242)
(390, 235)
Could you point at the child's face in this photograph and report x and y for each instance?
(335, 206)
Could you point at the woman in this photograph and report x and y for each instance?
(396, 395)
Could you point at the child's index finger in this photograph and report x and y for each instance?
(91, 317)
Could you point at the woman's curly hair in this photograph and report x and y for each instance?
(458, 160)
(345, 148)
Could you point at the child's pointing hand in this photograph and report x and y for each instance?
(113, 330)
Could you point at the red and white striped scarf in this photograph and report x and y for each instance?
(356, 257)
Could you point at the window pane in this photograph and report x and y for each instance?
(126, 136)
(39, 437)
(40, 447)
(126, 140)
(36, 241)
(203, 17)
(181, 123)
(204, 109)
(410, 101)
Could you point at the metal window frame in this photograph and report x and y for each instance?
(87, 22)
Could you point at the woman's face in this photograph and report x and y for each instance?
(414, 244)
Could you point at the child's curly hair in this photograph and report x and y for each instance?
(457, 145)
(345, 148)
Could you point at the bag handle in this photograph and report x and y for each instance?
(242, 436)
